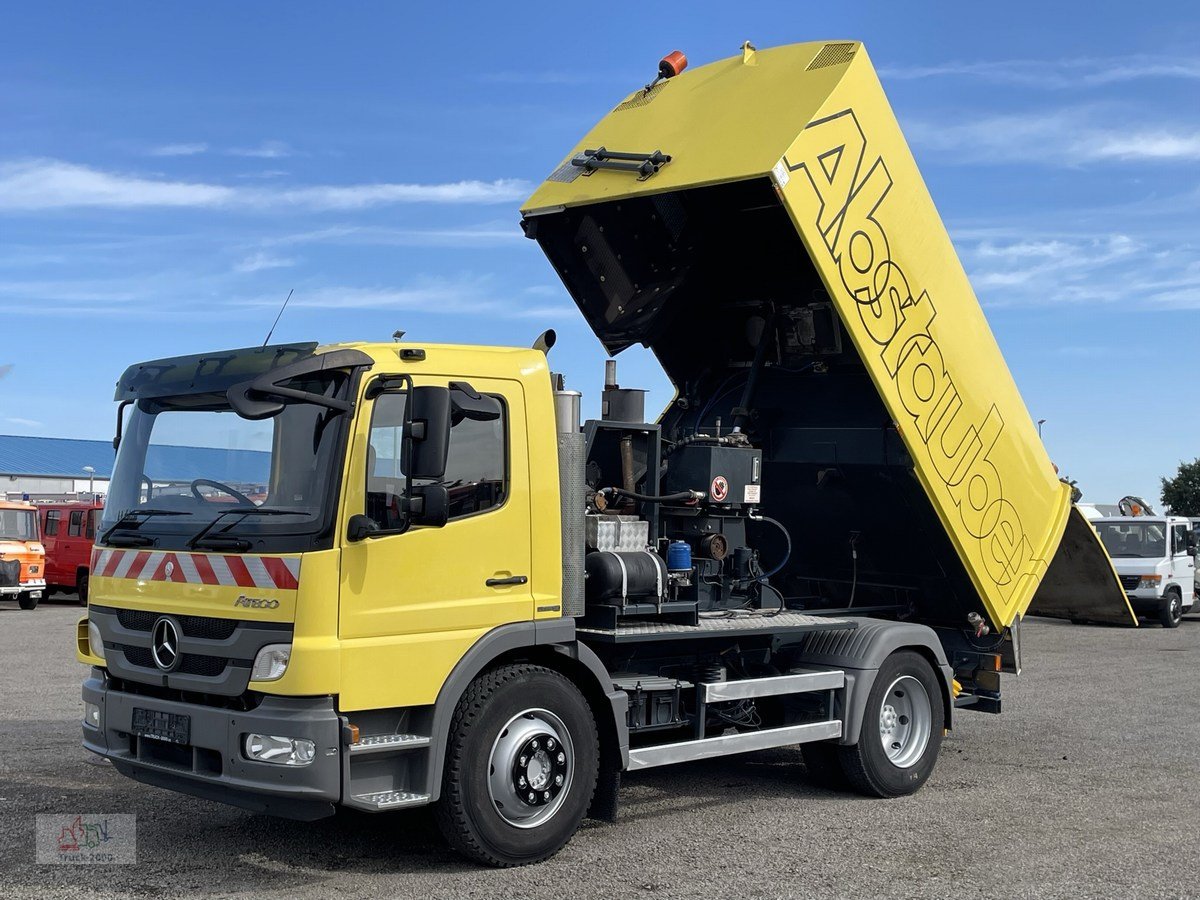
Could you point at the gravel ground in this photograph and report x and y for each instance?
(1082, 788)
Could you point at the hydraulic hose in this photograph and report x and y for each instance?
(787, 538)
(647, 498)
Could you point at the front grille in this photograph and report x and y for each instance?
(204, 627)
(1130, 582)
(189, 664)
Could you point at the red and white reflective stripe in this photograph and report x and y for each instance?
(279, 572)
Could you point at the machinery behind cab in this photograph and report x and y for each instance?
(666, 524)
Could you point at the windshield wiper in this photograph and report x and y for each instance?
(134, 519)
(238, 543)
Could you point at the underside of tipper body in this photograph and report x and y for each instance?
(846, 434)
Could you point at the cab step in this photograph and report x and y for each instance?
(388, 743)
(381, 800)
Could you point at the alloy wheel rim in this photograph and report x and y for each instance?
(531, 767)
(905, 721)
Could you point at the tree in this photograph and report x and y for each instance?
(1181, 494)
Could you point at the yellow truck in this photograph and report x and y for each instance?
(22, 556)
(409, 575)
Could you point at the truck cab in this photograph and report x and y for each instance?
(22, 556)
(68, 530)
(1155, 557)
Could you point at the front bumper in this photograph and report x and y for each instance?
(35, 588)
(213, 766)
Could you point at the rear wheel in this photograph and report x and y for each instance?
(901, 729)
(520, 768)
(27, 601)
(1171, 610)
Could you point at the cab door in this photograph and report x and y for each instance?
(1183, 563)
(51, 522)
(73, 546)
(413, 601)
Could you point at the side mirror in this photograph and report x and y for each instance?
(430, 505)
(468, 403)
(427, 433)
(360, 527)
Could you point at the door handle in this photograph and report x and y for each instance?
(507, 582)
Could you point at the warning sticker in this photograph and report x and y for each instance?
(753, 493)
(720, 489)
(780, 173)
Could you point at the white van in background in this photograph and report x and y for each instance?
(1155, 558)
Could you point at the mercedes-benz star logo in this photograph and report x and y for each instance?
(164, 644)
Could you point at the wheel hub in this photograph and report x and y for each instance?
(540, 770)
(905, 721)
(530, 769)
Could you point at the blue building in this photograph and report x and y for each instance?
(42, 467)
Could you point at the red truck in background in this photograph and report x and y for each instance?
(68, 532)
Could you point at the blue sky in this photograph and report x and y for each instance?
(167, 174)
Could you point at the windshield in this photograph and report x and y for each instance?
(191, 464)
(17, 525)
(1137, 540)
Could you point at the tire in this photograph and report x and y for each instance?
(516, 728)
(1171, 610)
(907, 698)
(25, 601)
(81, 586)
(824, 766)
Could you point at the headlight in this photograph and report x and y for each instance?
(91, 714)
(95, 642)
(283, 751)
(1149, 581)
(271, 662)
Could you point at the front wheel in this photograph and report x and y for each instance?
(901, 731)
(27, 601)
(81, 587)
(520, 768)
(1171, 611)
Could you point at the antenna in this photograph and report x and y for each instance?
(276, 322)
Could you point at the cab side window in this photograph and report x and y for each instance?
(476, 466)
(75, 528)
(1180, 539)
(52, 518)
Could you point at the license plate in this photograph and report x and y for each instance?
(162, 726)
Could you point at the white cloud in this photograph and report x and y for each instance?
(259, 261)
(1100, 269)
(265, 150)
(52, 184)
(46, 184)
(1056, 138)
(192, 149)
(482, 235)
(427, 296)
(1054, 74)
(28, 423)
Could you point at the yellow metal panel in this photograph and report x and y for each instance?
(856, 197)
(724, 121)
(411, 604)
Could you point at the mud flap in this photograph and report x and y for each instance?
(1081, 582)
